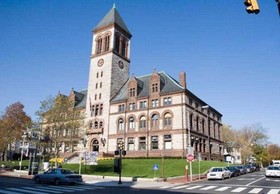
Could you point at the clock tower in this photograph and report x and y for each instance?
(109, 70)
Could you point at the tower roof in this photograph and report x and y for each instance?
(112, 17)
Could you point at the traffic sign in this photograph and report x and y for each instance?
(190, 157)
(155, 167)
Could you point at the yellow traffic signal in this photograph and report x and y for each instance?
(252, 6)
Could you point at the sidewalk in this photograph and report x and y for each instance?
(108, 181)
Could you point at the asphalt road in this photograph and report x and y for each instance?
(255, 183)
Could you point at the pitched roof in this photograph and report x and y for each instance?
(168, 84)
(112, 17)
(80, 99)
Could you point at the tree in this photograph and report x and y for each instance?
(12, 124)
(60, 122)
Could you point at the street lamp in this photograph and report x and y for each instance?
(84, 141)
(24, 135)
(208, 127)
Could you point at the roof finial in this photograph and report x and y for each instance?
(114, 5)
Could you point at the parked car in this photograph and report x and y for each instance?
(249, 168)
(218, 173)
(272, 171)
(242, 169)
(234, 171)
(58, 176)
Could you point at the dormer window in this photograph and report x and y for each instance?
(155, 87)
(132, 92)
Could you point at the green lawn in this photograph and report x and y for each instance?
(142, 168)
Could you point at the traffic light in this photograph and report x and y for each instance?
(121, 145)
(252, 6)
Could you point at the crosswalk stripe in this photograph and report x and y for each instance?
(239, 189)
(180, 187)
(256, 190)
(66, 188)
(54, 189)
(44, 190)
(207, 188)
(194, 187)
(25, 191)
(166, 187)
(273, 191)
(8, 192)
(222, 189)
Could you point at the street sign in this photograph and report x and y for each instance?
(155, 167)
(190, 157)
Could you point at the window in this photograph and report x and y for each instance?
(107, 42)
(99, 96)
(132, 92)
(167, 101)
(143, 104)
(142, 143)
(154, 142)
(100, 124)
(155, 87)
(120, 125)
(95, 97)
(95, 125)
(132, 106)
(197, 123)
(154, 120)
(121, 108)
(101, 74)
(101, 109)
(167, 142)
(96, 85)
(124, 48)
(142, 123)
(99, 45)
(130, 144)
(117, 43)
(131, 123)
(167, 119)
(97, 75)
(100, 85)
(155, 103)
(96, 109)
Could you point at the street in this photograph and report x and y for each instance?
(248, 183)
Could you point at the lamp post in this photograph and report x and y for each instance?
(84, 141)
(24, 135)
(208, 127)
(189, 143)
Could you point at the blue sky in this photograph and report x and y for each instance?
(231, 58)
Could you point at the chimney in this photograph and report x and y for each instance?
(182, 79)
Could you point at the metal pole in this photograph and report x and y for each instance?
(120, 173)
(21, 155)
(189, 143)
(209, 145)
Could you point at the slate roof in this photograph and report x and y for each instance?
(112, 17)
(80, 99)
(168, 85)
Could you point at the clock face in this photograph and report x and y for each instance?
(121, 65)
(100, 62)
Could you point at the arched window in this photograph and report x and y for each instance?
(90, 125)
(131, 123)
(124, 48)
(117, 43)
(143, 121)
(167, 119)
(154, 121)
(99, 45)
(107, 42)
(120, 124)
(100, 124)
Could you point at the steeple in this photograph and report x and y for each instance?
(112, 18)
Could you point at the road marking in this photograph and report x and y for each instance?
(239, 189)
(39, 189)
(256, 190)
(180, 187)
(222, 189)
(273, 191)
(8, 192)
(255, 181)
(166, 187)
(67, 188)
(23, 190)
(246, 179)
(194, 187)
(209, 187)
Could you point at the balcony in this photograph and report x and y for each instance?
(94, 131)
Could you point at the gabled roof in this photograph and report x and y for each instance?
(112, 17)
(80, 99)
(168, 85)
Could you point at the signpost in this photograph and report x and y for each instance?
(155, 168)
(190, 158)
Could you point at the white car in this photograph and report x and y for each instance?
(218, 173)
(272, 171)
